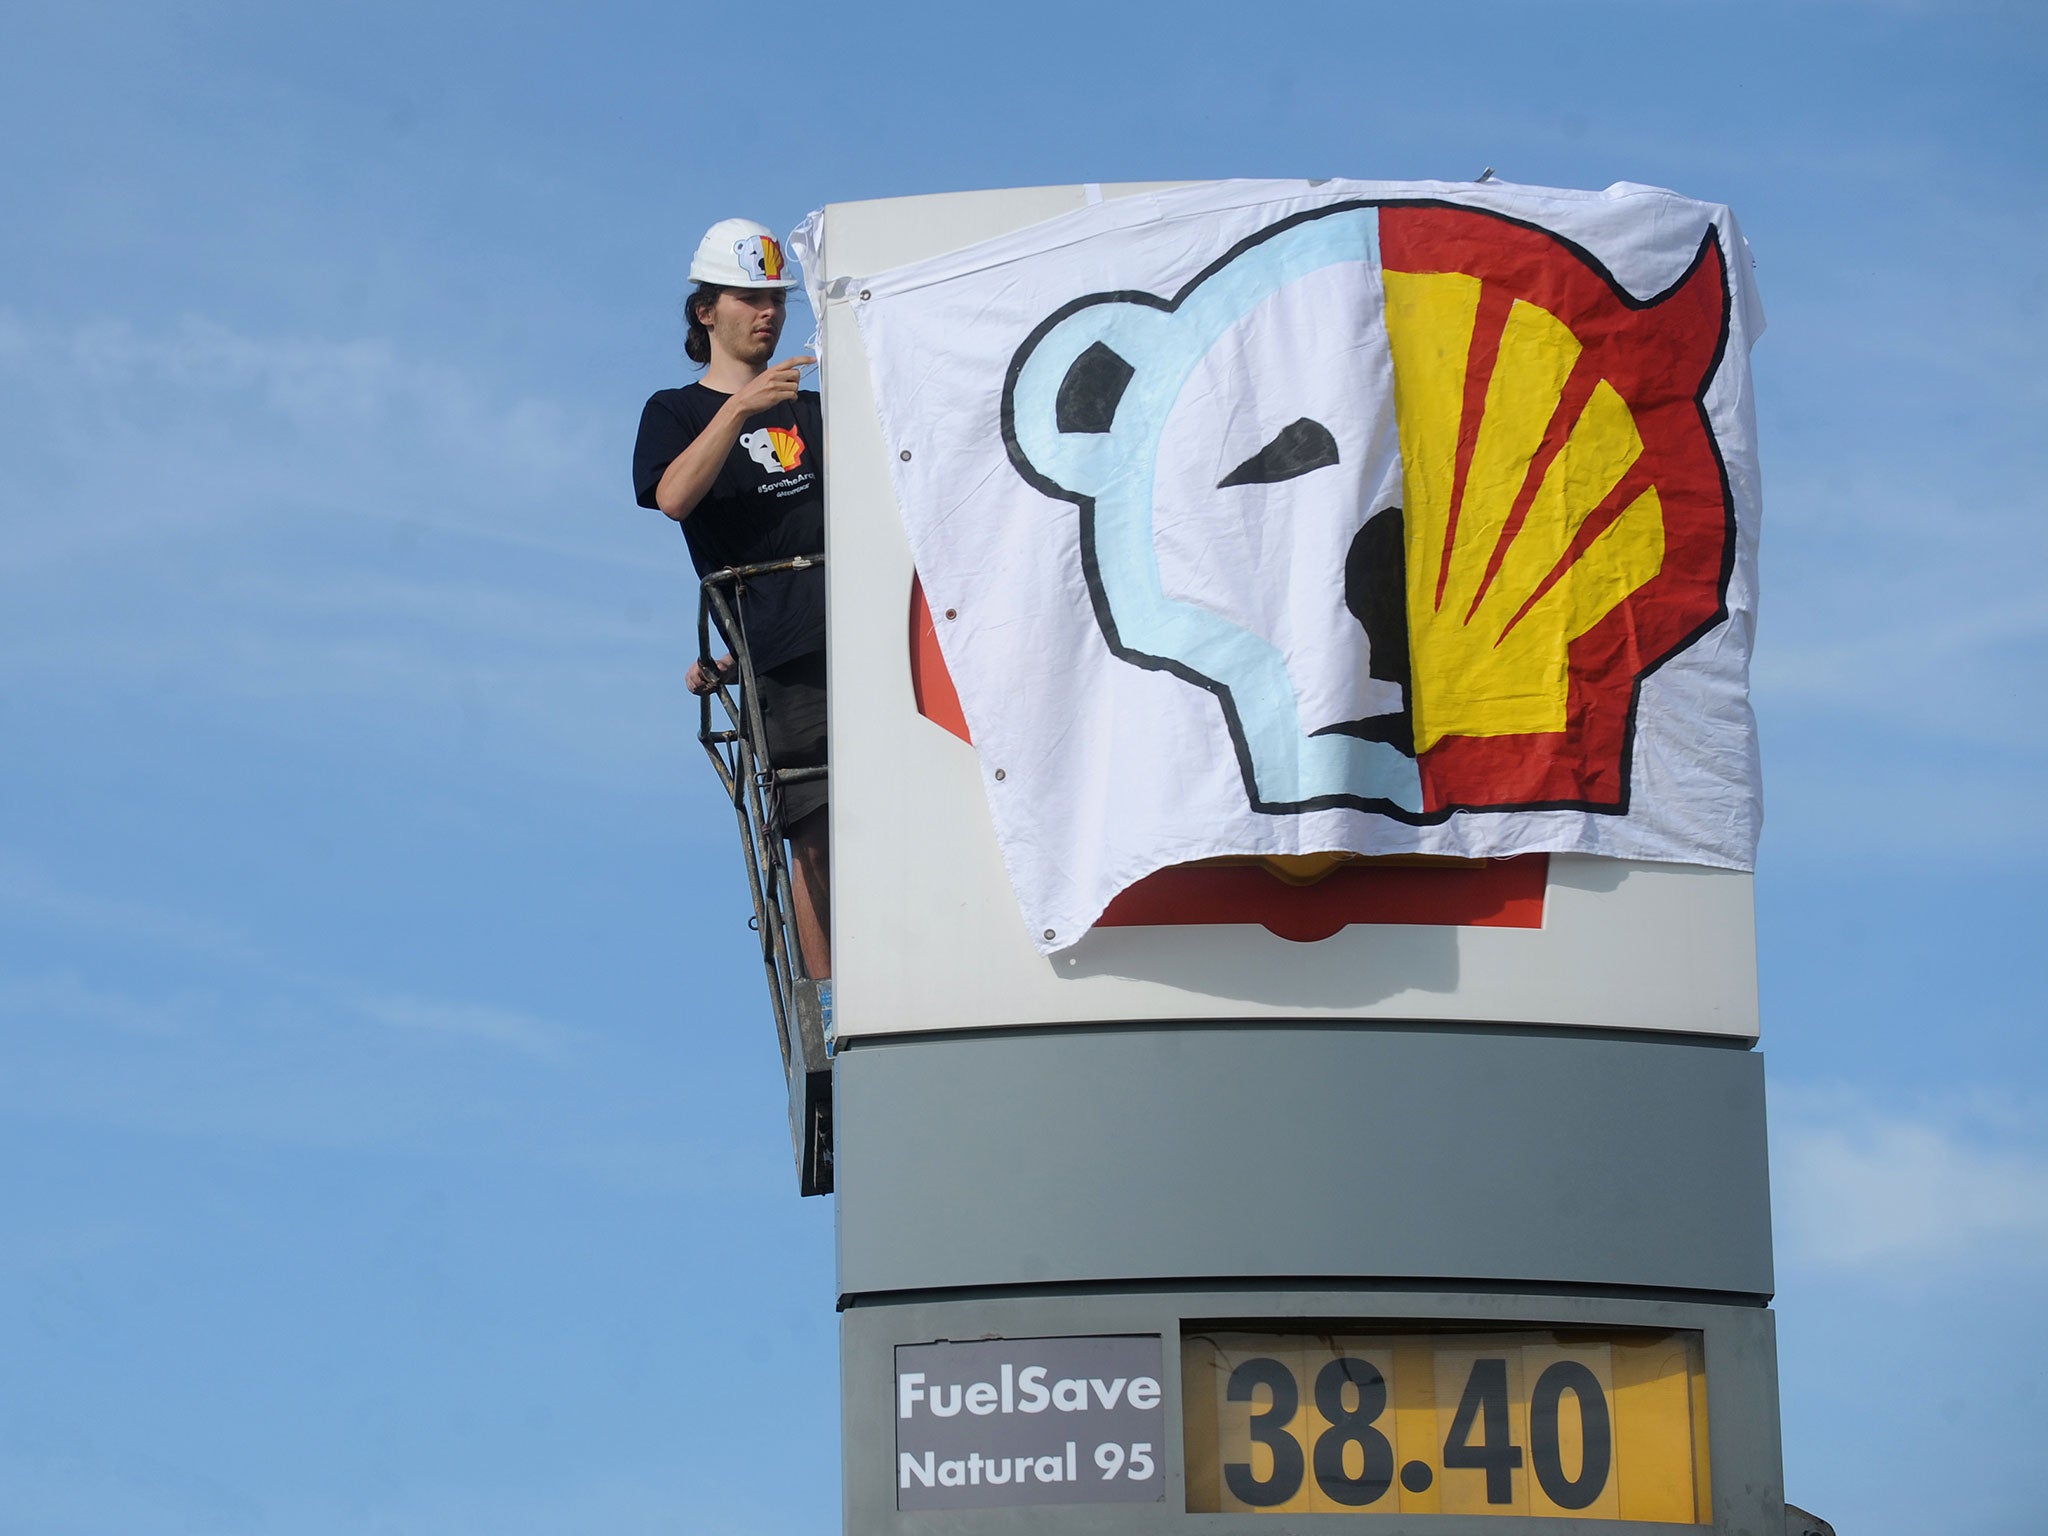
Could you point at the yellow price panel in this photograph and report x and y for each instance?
(1608, 1424)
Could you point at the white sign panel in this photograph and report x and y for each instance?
(950, 911)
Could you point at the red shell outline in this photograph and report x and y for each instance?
(1660, 355)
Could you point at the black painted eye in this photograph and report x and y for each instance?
(1089, 393)
(1299, 448)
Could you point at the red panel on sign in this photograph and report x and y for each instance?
(930, 683)
(1495, 893)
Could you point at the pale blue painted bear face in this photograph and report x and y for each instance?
(1226, 448)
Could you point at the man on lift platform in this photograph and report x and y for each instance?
(735, 459)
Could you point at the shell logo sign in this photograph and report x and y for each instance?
(1567, 526)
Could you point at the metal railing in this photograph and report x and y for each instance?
(738, 753)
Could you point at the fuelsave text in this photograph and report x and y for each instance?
(1024, 1391)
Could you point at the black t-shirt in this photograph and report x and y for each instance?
(768, 503)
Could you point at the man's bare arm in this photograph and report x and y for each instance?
(690, 473)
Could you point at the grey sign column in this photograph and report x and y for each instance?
(1453, 1208)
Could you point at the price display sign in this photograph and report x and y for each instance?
(1596, 1425)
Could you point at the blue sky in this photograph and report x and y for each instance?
(390, 1130)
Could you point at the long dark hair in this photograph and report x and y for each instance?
(697, 340)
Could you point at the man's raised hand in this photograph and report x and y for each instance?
(771, 387)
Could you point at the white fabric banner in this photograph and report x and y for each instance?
(1273, 518)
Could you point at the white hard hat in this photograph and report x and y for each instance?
(738, 253)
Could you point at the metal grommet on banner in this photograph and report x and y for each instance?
(952, 613)
(866, 294)
(1000, 775)
(1050, 934)
(904, 455)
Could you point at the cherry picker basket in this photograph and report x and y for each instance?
(738, 752)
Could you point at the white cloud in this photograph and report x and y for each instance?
(269, 1056)
(63, 1000)
(64, 996)
(336, 541)
(1906, 669)
(324, 384)
(27, 892)
(505, 1027)
(1834, 799)
(305, 1065)
(1906, 597)
(1900, 1194)
(119, 436)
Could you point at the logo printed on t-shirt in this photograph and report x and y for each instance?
(775, 448)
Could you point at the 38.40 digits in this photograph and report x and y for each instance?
(1351, 1394)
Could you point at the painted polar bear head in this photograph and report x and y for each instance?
(1234, 456)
